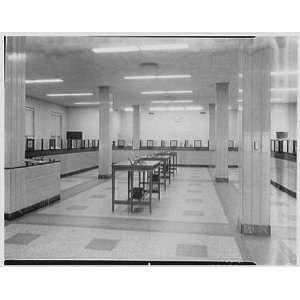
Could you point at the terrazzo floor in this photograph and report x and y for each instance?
(189, 222)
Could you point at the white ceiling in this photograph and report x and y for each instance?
(208, 60)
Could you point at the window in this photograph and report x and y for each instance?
(29, 122)
(56, 128)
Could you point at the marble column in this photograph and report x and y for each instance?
(212, 126)
(14, 124)
(222, 132)
(136, 127)
(105, 132)
(255, 156)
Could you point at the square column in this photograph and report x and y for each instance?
(136, 127)
(222, 132)
(212, 126)
(255, 156)
(105, 132)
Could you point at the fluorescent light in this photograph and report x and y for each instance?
(140, 48)
(229, 107)
(278, 73)
(116, 49)
(159, 108)
(70, 95)
(193, 108)
(176, 108)
(240, 75)
(284, 89)
(157, 77)
(240, 90)
(46, 80)
(87, 103)
(239, 100)
(128, 109)
(172, 101)
(166, 92)
(164, 47)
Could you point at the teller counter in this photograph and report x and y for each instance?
(30, 186)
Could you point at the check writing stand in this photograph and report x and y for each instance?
(136, 195)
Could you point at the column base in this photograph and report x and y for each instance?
(221, 179)
(251, 229)
(104, 176)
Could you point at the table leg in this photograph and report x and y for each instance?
(150, 192)
(113, 190)
(169, 162)
(131, 187)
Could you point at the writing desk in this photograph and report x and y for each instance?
(142, 166)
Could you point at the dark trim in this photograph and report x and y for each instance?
(21, 212)
(36, 153)
(285, 156)
(194, 166)
(78, 171)
(104, 176)
(37, 164)
(123, 262)
(221, 179)
(251, 229)
(284, 189)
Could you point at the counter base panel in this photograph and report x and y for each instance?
(21, 212)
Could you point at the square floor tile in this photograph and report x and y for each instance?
(194, 213)
(22, 238)
(192, 250)
(77, 207)
(102, 244)
(138, 209)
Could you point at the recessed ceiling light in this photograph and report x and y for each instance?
(128, 109)
(240, 90)
(284, 89)
(46, 80)
(157, 77)
(159, 47)
(87, 103)
(176, 108)
(116, 49)
(193, 108)
(172, 101)
(70, 95)
(278, 73)
(166, 92)
(239, 100)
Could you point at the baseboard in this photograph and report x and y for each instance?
(104, 176)
(21, 212)
(221, 179)
(203, 166)
(78, 171)
(284, 189)
(252, 229)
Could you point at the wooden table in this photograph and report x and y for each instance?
(142, 166)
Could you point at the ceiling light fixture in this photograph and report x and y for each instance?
(239, 100)
(284, 89)
(278, 73)
(172, 101)
(70, 95)
(166, 92)
(157, 77)
(46, 80)
(128, 109)
(87, 103)
(159, 47)
(176, 108)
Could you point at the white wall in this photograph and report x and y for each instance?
(284, 118)
(42, 116)
(86, 119)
